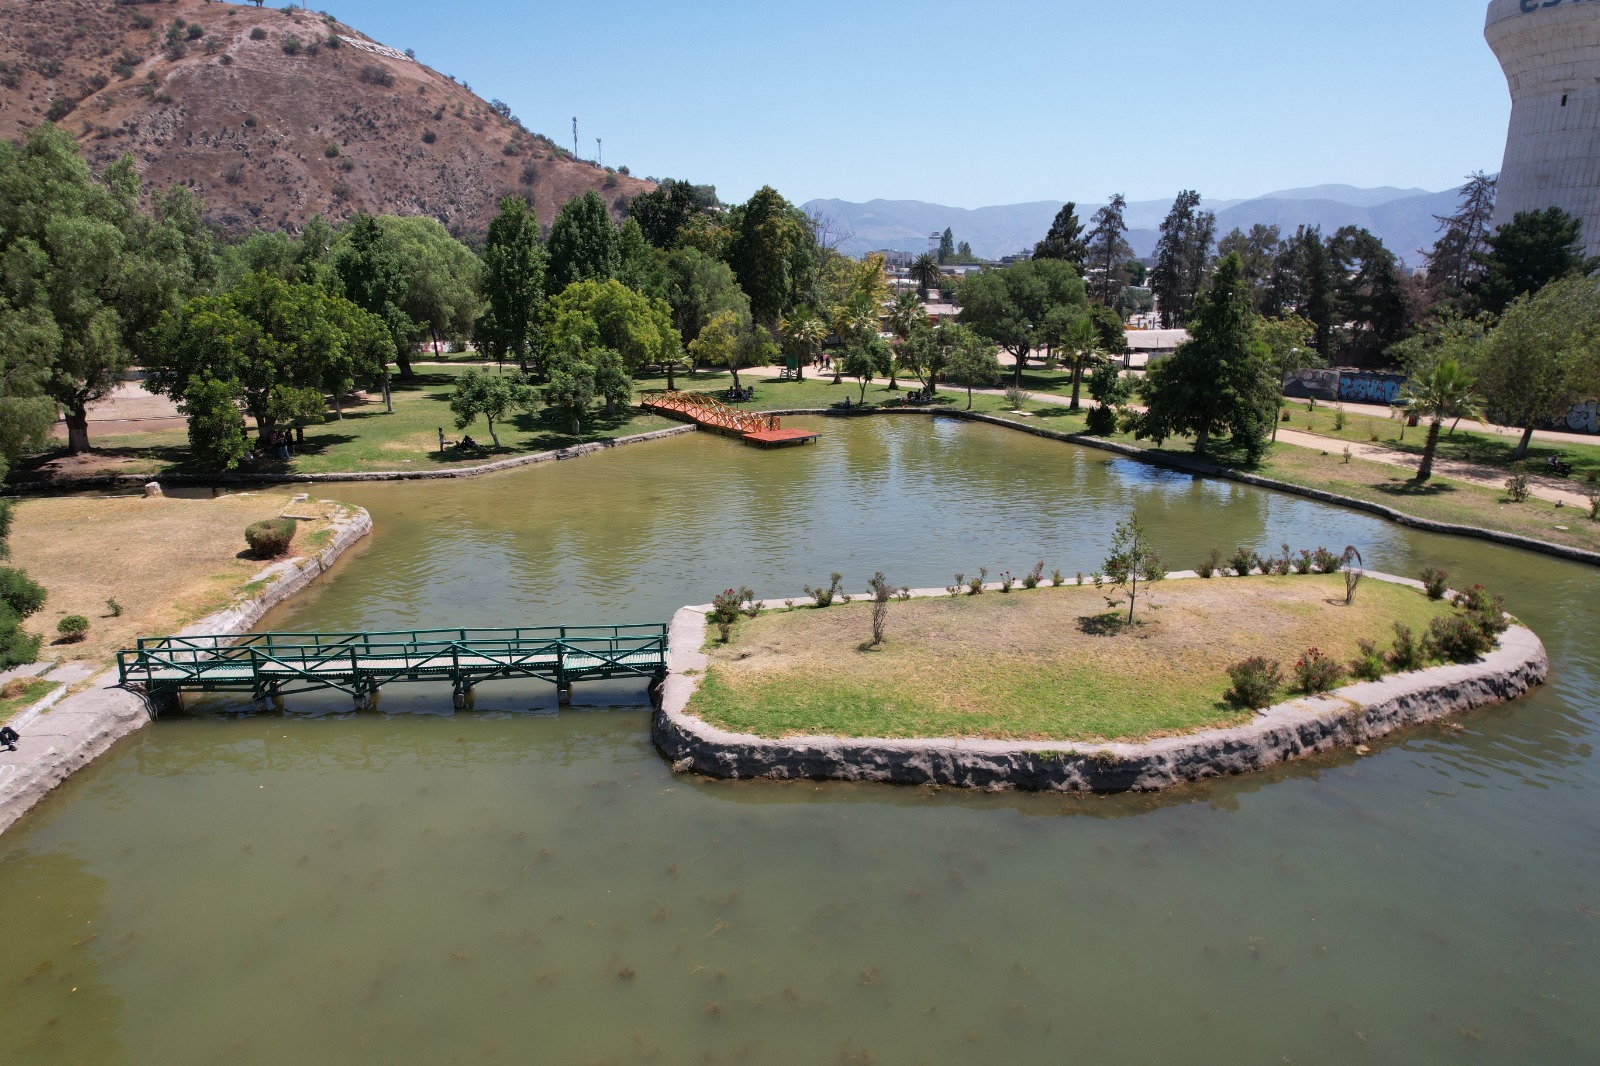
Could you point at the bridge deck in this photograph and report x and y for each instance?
(270, 664)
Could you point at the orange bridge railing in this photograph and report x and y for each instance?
(709, 411)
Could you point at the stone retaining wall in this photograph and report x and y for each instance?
(84, 726)
(1289, 730)
(246, 478)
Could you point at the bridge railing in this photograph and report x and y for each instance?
(710, 411)
(453, 652)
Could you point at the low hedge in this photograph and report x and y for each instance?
(271, 538)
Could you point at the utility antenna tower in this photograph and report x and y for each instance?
(575, 136)
(599, 154)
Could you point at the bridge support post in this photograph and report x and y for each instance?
(564, 694)
(164, 701)
(366, 697)
(462, 697)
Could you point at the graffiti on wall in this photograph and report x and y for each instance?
(1583, 418)
(1363, 387)
(1323, 384)
(1356, 386)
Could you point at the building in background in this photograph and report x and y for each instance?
(1550, 51)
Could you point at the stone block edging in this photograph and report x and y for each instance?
(84, 726)
(1205, 469)
(495, 467)
(1290, 730)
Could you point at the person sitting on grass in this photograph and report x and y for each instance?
(468, 444)
(9, 738)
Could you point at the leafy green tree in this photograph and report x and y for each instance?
(969, 358)
(663, 212)
(1372, 305)
(725, 342)
(1258, 252)
(84, 271)
(442, 276)
(859, 364)
(513, 284)
(584, 244)
(611, 379)
(27, 338)
(1289, 351)
(1219, 381)
(1183, 254)
(773, 253)
(1542, 357)
(216, 430)
(1133, 559)
(947, 245)
(637, 266)
(1455, 263)
(373, 280)
(922, 354)
(1064, 240)
(492, 397)
(571, 387)
(925, 272)
(1439, 391)
(698, 286)
(1303, 285)
(609, 315)
(1108, 251)
(1528, 253)
(277, 344)
(1018, 307)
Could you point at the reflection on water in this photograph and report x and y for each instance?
(420, 886)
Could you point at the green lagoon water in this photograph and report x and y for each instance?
(520, 885)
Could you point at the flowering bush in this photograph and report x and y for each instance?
(1314, 672)
(1435, 581)
(1256, 681)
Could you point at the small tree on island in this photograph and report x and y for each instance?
(882, 593)
(492, 396)
(1133, 559)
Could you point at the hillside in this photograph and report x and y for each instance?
(272, 116)
(1403, 218)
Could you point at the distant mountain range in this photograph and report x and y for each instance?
(1402, 218)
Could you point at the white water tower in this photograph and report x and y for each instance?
(1550, 50)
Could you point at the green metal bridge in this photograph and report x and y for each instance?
(270, 665)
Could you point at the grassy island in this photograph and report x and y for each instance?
(1042, 664)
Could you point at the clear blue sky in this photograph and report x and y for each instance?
(973, 103)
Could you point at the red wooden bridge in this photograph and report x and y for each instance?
(750, 426)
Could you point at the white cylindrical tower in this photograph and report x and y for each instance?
(1550, 50)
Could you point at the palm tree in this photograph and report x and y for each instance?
(803, 336)
(856, 324)
(925, 269)
(904, 317)
(1440, 390)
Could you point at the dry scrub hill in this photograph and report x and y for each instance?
(267, 137)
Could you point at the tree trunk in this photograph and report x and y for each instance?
(1201, 439)
(1425, 471)
(402, 359)
(969, 397)
(338, 404)
(1077, 378)
(672, 384)
(1133, 594)
(735, 371)
(388, 397)
(576, 428)
(77, 419)
(1016, 375)
(492, 434)
(1522, 445)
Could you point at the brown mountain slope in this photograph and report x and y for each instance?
(272, 116)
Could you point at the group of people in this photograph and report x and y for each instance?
(744, 395)
(466, 443)
(275, 444)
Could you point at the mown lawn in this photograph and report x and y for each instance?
(1047, 664)
(1473, 446)
(25, 692)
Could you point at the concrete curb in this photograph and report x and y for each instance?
(1204, 469)
(85, 726)
(1290, 730)
(495, 467)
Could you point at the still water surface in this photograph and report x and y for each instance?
(513, 884)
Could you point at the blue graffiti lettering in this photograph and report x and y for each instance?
(1370, 388)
